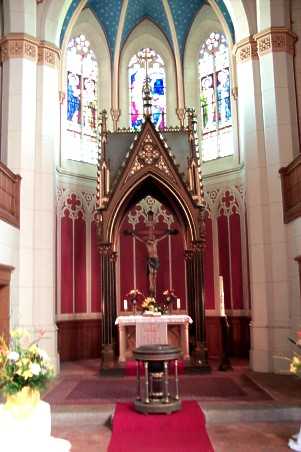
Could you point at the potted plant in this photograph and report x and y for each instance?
(25, 370)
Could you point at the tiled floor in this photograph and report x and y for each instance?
(253, 437)
(225, 437)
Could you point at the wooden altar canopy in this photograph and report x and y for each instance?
(131, 166)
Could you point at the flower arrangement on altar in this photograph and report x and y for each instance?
(150, 305)
(23, 364)
(295, 364)
(133, 296)
(169, 296)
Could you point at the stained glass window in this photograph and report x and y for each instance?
(82, 71)
(215, 89)
(147, 63)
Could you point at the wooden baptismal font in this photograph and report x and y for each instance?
(154, 392)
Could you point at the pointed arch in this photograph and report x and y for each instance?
(147, 34)
(163, 189)
(88, 26)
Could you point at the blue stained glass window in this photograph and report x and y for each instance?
(215, 98)
(82, 73)
(150, 62)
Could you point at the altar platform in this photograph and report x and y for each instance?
(232, 422)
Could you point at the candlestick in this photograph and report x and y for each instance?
(222, 297)
(178, 303)
(125, 305)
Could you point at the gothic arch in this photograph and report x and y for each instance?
(88, 25)
(166, 191)
(206, 22)
(52, 17)
(147, 34)
(241, 14)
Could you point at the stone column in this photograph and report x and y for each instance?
(19, 53)
(47, 148)
(276, 49)
(108, 280)
(252, 150)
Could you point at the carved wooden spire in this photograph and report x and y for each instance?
(147, 98)
(103, 167)
(195, 182)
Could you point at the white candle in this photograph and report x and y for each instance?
(221, 297)
(125, 305)
(178, 303)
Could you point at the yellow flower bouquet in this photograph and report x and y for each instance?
(295, 365)
(23, 364)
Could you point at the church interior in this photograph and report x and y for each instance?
(150, 187)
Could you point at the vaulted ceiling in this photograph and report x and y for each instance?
(183, 13)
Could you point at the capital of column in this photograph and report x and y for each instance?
(275, 39)
(246, 50)
(21, 45)
(48, 54)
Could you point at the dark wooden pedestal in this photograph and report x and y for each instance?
(153, 391)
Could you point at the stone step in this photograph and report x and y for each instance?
(215, 413)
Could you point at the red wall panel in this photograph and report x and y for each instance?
(95, 272)
(223, 248)
(66, 275)
(208, 267)
(80, 282)
(138, 265)
(236, 262)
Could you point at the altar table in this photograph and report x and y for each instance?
(160, 323)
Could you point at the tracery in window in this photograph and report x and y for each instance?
(215, 89)
(147, 62)
(82, 72)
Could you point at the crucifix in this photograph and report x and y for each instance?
(146, 57)
(150, 239)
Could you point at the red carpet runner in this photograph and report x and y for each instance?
(183, 431)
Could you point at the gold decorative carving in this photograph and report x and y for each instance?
(149, 155)
(246, 50)
(48, 54)
(276, 39)
(19, 45)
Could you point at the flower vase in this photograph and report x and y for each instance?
(169, 308)
(22, 403)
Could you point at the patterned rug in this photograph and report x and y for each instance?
(73, 390)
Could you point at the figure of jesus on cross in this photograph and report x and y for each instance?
(150, 240)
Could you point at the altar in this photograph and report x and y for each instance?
(137, 330)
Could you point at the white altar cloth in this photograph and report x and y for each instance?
(134, 319)
(29, 434)
(149, 333)
(141, 321)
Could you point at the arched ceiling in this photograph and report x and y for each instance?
(183, 13)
